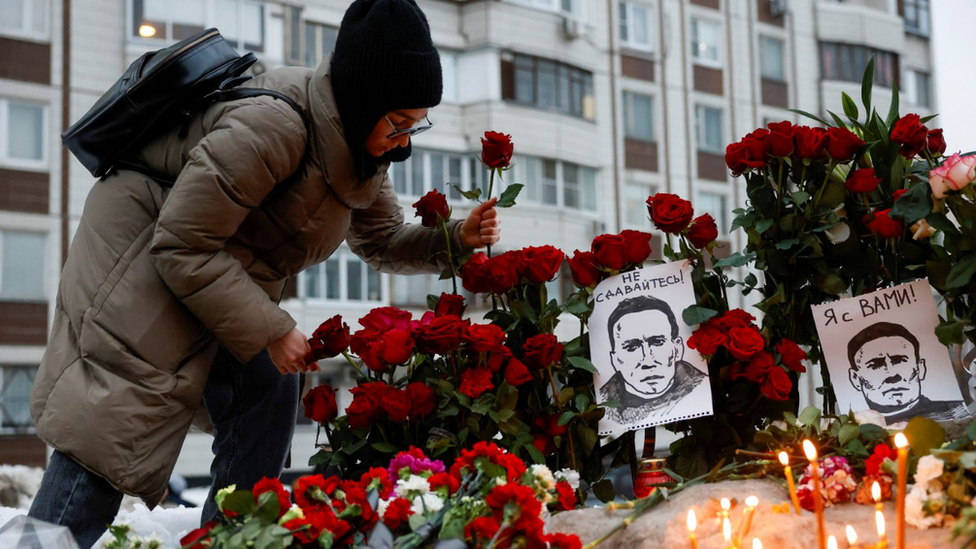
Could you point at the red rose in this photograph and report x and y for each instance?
(441, 336)
(196, 538)
(809, 142)
(365, 408)
(496, 150)
(503, 272)
(449, 304)
(432, 209)
(382, 319)
(745, 342)
(935, 142)
(541, 263)
(497, 357)
(516, 373)
(739, 159)
(422, 401)
(669, 212)
(706, 340)
(328, 340)
(756, 369)
(397, 514)
(780, 138)
(368, 345)
(474, 277)
(396, 403)
(397, 347)
(483, 338)
(702, 231)
(757, 145)
(320, 404)
(862, 181)
(542, 350)
(777, 385)
(273, 485)
(791, 355)
(638, 244)
(883, 226)
(843, 144)
(610, 251)
(911, 134)
(475, 381)
(733, 318)
(583, 268)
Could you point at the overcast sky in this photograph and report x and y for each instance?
(955, 71)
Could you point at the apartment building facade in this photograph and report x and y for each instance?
(607, 102)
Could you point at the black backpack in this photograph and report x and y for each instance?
(158, 90)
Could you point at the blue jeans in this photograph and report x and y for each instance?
(253, 409)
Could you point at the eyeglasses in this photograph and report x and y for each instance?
(399, 132)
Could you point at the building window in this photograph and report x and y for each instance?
(241, 22)
(846, 62)
(15, 388)
(24, 17)
(22, 134)
(566, 7)
(22, 266)
(556, 183)
(342, 277)
(320, 40)
(429, 170)
(709, 123)
(917, 18)
(549, 84)
(771, 58)
(449, 63)
(705, 42)
(917, 88)
(635, 204)
(412, 291)
(638, 116)
(715, 205)
(635, 26)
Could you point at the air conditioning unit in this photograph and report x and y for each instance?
(573, 28)
(779, 7)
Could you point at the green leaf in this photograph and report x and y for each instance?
(810, 416)
(763, 225)
(384, 447)
(850, 108)
(787, 243)
(951, 332)
(872, 432)
(566, 418)
(239, 501)
(696, 315)
(604, 491)
(838, 121)
(267, 510)
(833, 284)
(473, 194)
(507, 199)
(961, 273)
(867, 82)
(913, 205)
(432, 301)
(938, 220)
(848, 433)
(581, 363)
(319, 458)
(800, 197)
(582, 402)
(535, 453)
(832, 195)
(810, 116)
(893, 111)
(924, 435)
(735, 260)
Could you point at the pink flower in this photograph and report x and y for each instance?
(955, 173)
(837, 483)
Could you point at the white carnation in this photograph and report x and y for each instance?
(427, 504)
(542, 475)
(870, 416)
(415, 483)
(929, 469)
(569, 475)
(915, 512)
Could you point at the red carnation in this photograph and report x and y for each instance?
(432, 209)
(378, 478)
(702, 231)
(542, 350)
(397, 514)
(443, 480)
(514, 502)
(496, 150)
(567, 496)
(881, 452)
(669, 212)
(199, 538)
(312, 490)
(482, 528)
(564, 541)
(475, 381)
(320, 404)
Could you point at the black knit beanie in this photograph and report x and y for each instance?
(384, 60)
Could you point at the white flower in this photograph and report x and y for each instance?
(501, 481)
(427, 503)
(569, 475)
(381, 507)
(915, 510)
(895, 427)
(542, 475)
(929, 469)
(780, 424)
(414, 483)
(870, 416)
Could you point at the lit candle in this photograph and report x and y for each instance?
(751, 503)
(811, 451)
(692, 524)
(756, 544)
(785, 460)
(726, 505)
(851, 537)
(727, 533)
(901, 441)
(831, 542)
(882, 535)
(876, 494)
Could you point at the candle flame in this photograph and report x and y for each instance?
(876, 491)
(752, 501)
(880, 521)
(692, 520)
(784, 459)
(901, 440)
(831, 542)
(810, 450)
(851, 535)
(756, 544)
(727, 529)
(726, 504)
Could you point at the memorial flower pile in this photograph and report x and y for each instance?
(488, 497)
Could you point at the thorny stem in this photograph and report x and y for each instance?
(491, 185)
(351, 361)
(450, 257)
